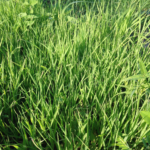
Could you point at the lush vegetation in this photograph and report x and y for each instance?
(65, 72)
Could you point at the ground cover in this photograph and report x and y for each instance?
(61, 74)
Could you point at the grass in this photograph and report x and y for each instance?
(61, 71)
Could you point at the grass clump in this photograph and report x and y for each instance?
(61, 71)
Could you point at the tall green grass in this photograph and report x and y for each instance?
(61, 71)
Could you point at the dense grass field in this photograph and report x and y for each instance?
(62, 66)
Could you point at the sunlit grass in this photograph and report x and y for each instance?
(61, 74)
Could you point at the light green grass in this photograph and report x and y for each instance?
(61, 74)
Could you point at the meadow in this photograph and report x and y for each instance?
(64, 75)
